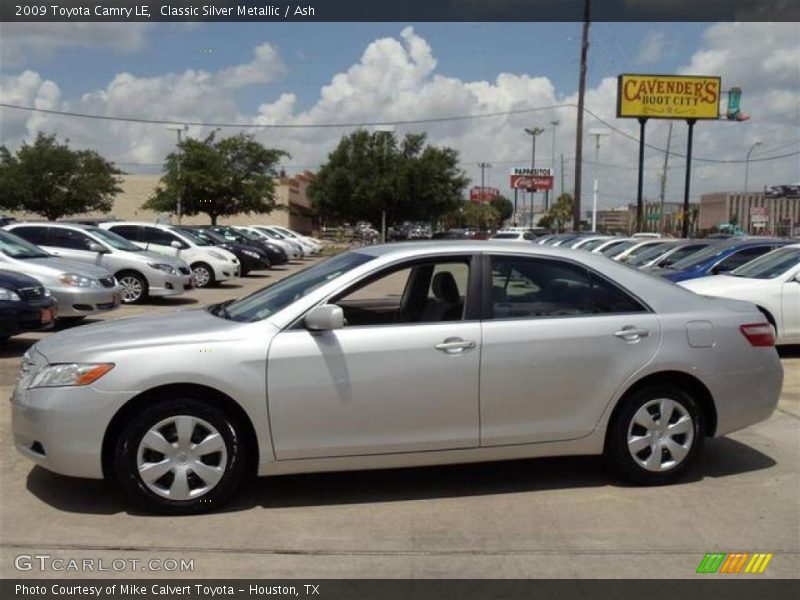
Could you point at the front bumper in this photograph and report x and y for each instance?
(80, 302)
(62, 429)
(226, 270)
(16, 317)
(163, 284)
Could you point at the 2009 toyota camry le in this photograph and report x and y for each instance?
(400, 355)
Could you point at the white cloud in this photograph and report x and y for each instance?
(655, 47)
(397, 79)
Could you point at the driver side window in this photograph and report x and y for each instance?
(426, 292)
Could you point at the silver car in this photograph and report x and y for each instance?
(394, 356)
(80, 289)
(141, 273)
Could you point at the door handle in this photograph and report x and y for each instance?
(632, 334)
(454, 345)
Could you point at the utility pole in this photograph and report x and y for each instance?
(562, 176)
(596, 134)
(662, 219)
(747, 164)
(483, 166)
(555, 124)
(533, 133)
(179, 129)
(576, 212)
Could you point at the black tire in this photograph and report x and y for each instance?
(244, 272)
(127, 452)
(134, 278)
(621, 458)
(203, 282)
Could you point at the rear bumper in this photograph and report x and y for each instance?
(746, 397)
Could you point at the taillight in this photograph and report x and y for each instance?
(759, 334)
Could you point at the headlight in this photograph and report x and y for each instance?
(163, 267)
(9, 295)
(217, 255)
(77, 280)
(251, 254)
(70, 374)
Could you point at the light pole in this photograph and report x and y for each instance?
(555, 124)
(747, 164)
(533, 133)
(596, 134)
(387, 132)
(483, 166)
(179, 129)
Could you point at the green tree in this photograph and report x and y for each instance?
(477, 215)
(50, 179)
(218, 177)
(368, 173)
(503, 206)
(560, 213)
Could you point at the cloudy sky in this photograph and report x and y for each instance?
(328, 74)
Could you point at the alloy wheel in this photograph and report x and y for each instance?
(660, 435)
(132, 289)
(181, 458)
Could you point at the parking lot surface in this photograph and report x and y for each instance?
(545, 518)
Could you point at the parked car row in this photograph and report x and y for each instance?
(89, 267)
(763, 271)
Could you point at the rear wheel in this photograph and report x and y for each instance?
(180, 456)
(203, 275)
(134, 287)
(656, 435)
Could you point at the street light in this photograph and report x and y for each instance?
(747, 164)
(597, 134)
(387, 131)
(555, 124)
(179, 129)
(533, 133)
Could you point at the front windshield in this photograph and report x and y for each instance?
(592, 244)
(699, 257)
(639, 250)
(616, 246)
(281, 294)
(193, 237)
(16, 247)
(112, 239)
(271, 233)
(771, 265)
(650, 253)
(211, 236)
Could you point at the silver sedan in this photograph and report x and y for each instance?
(394, 356)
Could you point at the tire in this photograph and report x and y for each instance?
(244, 272)
(159, 440)
(643, 450)
(135, 288)
(203, 275)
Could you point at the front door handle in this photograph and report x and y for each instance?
(632, 334)
(455, 345)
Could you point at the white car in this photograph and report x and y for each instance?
(771, 282)
(307, 248)
(315, 244)
(210, 264)
(293, 250)
(614, 246)
(587, 243)
(641, 245)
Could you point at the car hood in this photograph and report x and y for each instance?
(53, 267)
(168, 329)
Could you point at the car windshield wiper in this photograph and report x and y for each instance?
(220, 310)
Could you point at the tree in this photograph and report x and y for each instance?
(369, 173)
(559, 214)
(50, 179)
(503, 206)
(218, 177)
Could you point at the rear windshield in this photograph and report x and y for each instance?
(771, 265)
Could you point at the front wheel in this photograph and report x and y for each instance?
(134, 287)
(655, 436)
(203, 275)
(180, 456)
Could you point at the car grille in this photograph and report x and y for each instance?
(184, 271)
(107, 281)
(31, 293)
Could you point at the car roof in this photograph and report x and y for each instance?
(51, 224)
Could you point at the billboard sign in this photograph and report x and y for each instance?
(483, 194)
(668, 96)
(759, 216)
(525, 178)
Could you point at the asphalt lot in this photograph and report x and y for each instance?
(547, 518)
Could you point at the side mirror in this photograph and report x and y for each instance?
(99, 248)
(176, 244)
(324, 318)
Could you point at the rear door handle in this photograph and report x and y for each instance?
(455, 345)
(632, 334)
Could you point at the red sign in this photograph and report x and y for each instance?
(483, 194)
(529, 182)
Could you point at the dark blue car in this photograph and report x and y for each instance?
(721, 257)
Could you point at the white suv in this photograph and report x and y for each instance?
(210, 264)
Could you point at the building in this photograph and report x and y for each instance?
(775, 211)
(293, 207)
(613, 220)
(673, 214)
